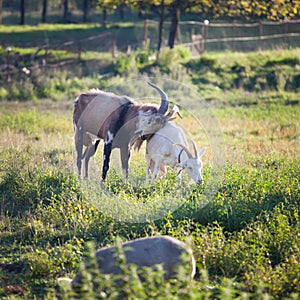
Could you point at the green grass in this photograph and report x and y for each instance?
(251, 72)
(245, 240)
(55, 33)
(238, 79)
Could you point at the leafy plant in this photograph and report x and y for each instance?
(125, 64)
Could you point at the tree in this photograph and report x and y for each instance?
(160, 10)
(22, 12)
(174, 12)
(122, 7)
(178, 6)
(65, 10)
(105, 5)
(1, 5)
(273, 10)
(158, 7)
(85, 10)
(44, 11)
(143, 8)
(253, 9)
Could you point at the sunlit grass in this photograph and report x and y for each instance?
(245, 238)
(46, 27)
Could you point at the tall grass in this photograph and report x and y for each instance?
(235, 78)
(245, 240)
(244, 228)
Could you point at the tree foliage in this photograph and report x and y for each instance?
(251, 9)
(274, 10)
(236, 9)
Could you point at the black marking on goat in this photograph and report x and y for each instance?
(96, 145)
(107, 152)
(121, 119)
(120, 122)
(114, 129)
(147, 137)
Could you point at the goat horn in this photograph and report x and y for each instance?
(179, 161)
(189, 154)
(164, 99)
(195, 149)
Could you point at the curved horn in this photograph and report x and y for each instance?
(195, 149)
(189, 154)
(164, 99)
(178, 158)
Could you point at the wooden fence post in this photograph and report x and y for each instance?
(285, 31)
(114, 49)
(260, 33)
(46, 47)
(145, 33)
(204, 33)
(233, 35)
(79, 50)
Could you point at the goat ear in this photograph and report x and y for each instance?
(201, 152)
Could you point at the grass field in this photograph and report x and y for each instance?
(245, 240)
(242, 224)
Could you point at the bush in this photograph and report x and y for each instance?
(142, 56)
(183, 52)
(168, 58)
(125, 64)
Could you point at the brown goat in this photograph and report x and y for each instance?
(118, 120)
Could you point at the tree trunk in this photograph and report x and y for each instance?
(145, 29)
(174, 26)
(1, 5)
(44, 11)
(22, 11)
(65, 10)
(160, 25)
(85, 11)
(122, 9)
(104, 17)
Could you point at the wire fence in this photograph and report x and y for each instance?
(205, 36)
(198, 36)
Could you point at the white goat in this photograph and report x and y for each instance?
(147, 252)
(169, 147)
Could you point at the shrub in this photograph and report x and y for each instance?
(167, 59)
(142, 56)
(3, 93)
(125, 64)
(183, 52)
